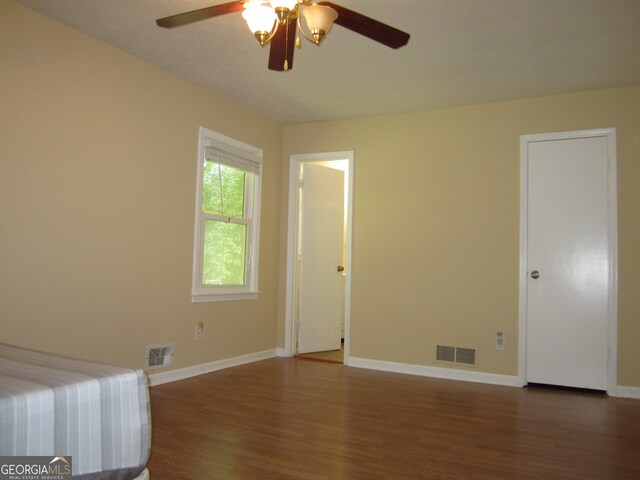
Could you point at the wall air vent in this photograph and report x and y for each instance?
(158, 356)
(466, 355)
(445, 354)
(461, 355)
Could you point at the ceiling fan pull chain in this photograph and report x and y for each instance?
(298, 30)
(286, 47)
(298, 42)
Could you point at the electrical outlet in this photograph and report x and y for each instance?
(197, 334)
(500, 341)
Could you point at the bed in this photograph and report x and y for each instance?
(56, 406)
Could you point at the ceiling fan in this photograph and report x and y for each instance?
(276, 22)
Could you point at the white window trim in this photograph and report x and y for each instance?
(200, 293)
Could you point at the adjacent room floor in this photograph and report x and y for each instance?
(331, 356)
(295, 419)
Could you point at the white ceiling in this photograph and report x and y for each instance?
(461, 52)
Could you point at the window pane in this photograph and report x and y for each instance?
(224, 253)
(223, 189)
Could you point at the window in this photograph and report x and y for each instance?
(227, 219)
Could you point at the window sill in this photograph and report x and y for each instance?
(223, 297)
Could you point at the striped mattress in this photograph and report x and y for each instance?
(98, 414)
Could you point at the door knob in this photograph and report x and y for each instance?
(535, 274)
(340, 268)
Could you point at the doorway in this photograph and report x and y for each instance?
(319, 254)
(568, 260)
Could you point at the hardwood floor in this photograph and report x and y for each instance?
(295, 419)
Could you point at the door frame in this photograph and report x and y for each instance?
(612, 321)
(295, 162)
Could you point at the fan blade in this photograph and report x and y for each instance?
(201, 14)
(282, 47)
(373, 29)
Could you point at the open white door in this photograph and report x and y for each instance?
(321, 245)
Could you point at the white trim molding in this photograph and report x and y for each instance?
(435, 372)
(626, 392)
(237, 154)
(295, 161)
(158, 378)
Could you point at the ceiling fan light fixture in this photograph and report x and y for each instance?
(280, 24)
(261, 20)
(319, 20)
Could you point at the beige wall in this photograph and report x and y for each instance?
(97, 171)
(97, 188)
(436, 223)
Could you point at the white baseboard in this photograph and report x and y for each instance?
(435, 372)
(627, 392)
(158, 378)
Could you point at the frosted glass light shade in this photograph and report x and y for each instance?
(260, 18)
(319, 17)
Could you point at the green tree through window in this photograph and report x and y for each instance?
(223, 189)
(223, 195)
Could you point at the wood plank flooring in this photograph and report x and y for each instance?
(294, 419)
